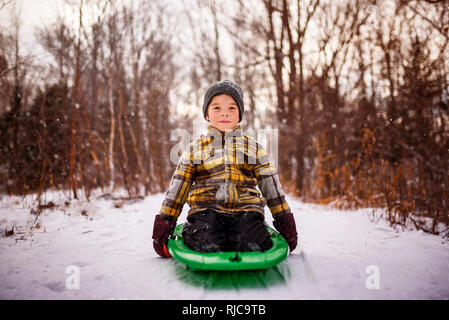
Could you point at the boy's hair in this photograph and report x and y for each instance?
(224, 87)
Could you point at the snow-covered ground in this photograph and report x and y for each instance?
(102, 249)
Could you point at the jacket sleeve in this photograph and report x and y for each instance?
(180, 184)
(269, 184)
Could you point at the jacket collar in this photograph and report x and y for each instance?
(214, 132)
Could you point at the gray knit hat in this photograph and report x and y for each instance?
(227, 87)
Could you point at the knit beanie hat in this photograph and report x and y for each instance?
(227, 87)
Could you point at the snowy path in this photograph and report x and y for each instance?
(112, 249)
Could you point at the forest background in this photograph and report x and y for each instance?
(353, 94)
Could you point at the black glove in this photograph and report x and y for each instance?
(286, 226)
(162, 230)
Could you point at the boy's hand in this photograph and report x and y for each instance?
(162, 230)
(160, 246)
(286, 226)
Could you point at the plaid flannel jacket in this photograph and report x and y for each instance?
(221, 171)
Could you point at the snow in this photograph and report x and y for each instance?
(102, 249)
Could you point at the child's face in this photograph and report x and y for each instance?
(223, 112)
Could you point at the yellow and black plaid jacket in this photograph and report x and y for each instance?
(221, 171)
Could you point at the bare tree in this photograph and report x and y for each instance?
(285, 36)
(4, 3)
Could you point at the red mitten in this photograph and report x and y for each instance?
(162, 230)
(286, 226)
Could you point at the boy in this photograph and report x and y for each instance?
(217, 176)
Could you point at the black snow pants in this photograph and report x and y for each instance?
(211, 231)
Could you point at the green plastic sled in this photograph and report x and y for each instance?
(228, 261)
